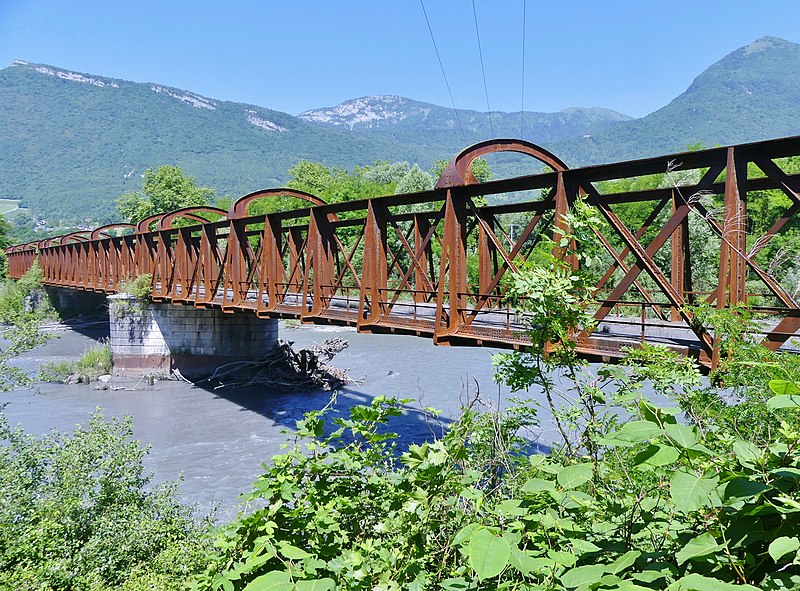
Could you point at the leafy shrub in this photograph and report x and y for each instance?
(95, 362)
(661, 504)
(13, 294)
(89, 366)
(79, 512)
(24, 320)
(634, 496)
(56, 371)
(139, 287)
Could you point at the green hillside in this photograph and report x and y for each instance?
(71, 143)
(69, 148)
(751, 94)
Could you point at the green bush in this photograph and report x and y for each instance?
(662, 504)
(634, 496)
(95, 362)
(56, 371)
(79, 512)
(139, 287)
(24, 325)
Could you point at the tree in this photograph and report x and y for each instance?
(163, 189)
(414, 181)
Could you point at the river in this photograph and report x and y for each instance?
(216, 440)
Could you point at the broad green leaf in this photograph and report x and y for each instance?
(527, 564)
(575, 499)
(562, 558)
(276, 580)
(787, 473)
(293, 552)
(747, 453)
(656, 455)
(696, 582)
(628, 586)
(624, 562)
(583, 546)
(784, 387)
(535, 485)
(702, 545)
(690, 492)
(783, 546)
(465, 533)
(457, 584)
(488, 553)
(787, 401)
(574, 476)
(582, 575)
(741, 488)
(682, 435)
(656, 414)
(316, 585)
(633, 432)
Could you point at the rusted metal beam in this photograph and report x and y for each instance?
(411, 269)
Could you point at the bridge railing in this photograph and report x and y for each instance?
(440, 262)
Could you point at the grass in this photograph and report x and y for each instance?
(92, 364)
(8, 205)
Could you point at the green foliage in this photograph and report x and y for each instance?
(58, 372)
(139, 287)
(79, 512)
(662, 504)
(164, 189)
(23, 309)
(95, 362)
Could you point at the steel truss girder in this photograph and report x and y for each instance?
(433, 263)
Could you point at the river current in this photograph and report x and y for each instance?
(216, 440)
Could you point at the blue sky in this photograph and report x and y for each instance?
(301, 54)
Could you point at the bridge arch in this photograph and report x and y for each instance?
(80, 236)
(459, 171)
(189, 213)
(239, 207)
(102, 231)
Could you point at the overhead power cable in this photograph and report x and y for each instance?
(446, 83)
(522, 106)
(483, 70)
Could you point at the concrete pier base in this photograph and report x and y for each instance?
(156, 338)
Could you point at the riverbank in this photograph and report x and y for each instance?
(218, 439)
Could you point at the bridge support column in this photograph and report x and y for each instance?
(157, 338)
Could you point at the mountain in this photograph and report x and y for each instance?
(71, 143)
(398, 117)
(751, 94)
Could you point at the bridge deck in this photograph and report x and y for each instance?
(437, 263)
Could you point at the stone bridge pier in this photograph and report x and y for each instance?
(149, 338)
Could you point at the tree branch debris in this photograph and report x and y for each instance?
(288, 369)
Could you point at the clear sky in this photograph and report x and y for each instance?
(294, 55)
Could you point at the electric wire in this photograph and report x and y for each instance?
(446, 83)
(483, 70)
(522, 106)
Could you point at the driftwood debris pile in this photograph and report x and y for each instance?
(288, 369)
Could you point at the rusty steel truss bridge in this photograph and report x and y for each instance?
(437, 263)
